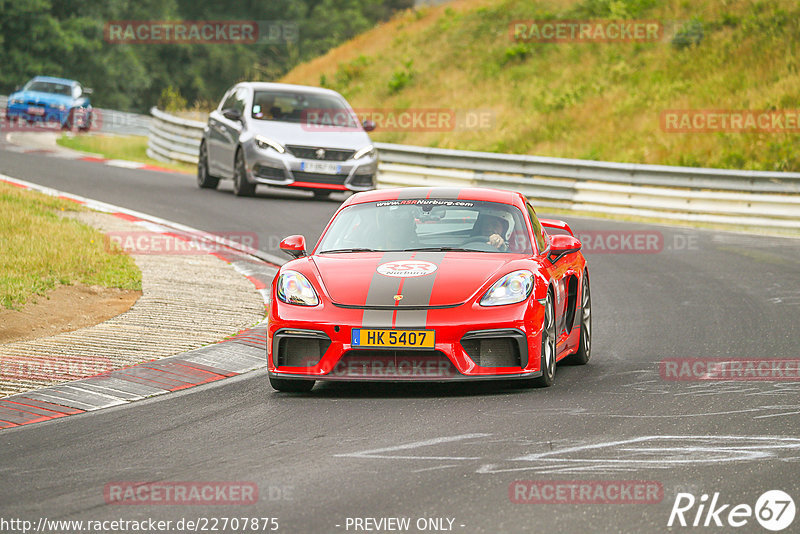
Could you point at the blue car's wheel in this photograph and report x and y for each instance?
(69, 123)
(87, 121)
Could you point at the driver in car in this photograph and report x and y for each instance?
(495, 228)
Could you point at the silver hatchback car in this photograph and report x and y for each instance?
(287, 136)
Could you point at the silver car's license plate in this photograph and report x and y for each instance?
(322, 167)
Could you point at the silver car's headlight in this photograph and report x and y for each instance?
(368, 150)
(265, 143)
(294, 288)
(510, 289)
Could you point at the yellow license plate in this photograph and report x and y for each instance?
(416, 339)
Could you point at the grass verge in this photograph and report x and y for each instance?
(129, 148)
(587, 100)
(42, 250)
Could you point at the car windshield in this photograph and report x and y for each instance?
(427, 224)
(49, 87)
(300, 107)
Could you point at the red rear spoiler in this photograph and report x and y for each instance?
(560, 225)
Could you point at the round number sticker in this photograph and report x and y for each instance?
(406, 268)
(775, 510)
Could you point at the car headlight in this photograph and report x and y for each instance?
(294, 288)
(510, 289)
(265, 142)
(368, 150)
(16, 101)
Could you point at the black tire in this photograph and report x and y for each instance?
(241, 187)
(290, 385)
(87, 125)
(581, 357)
(547, 354)
(69, 124)
(204, 179)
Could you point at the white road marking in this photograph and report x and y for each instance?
(380, 453)
(124, 164)
(654, 452)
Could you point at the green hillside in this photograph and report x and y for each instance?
(592, 100)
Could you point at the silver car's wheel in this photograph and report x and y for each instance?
(241, 187)
(204, 179)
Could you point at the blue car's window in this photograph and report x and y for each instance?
(49, 87)
(425, 224)
(298, 107)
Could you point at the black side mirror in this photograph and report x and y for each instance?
(368, 125)
(232, 114)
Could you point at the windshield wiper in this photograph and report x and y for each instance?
(440, 249)
(345, 250)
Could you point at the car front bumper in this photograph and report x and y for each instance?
(36, 113)
(270, 167)
(302, 344)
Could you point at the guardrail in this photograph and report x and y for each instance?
(732, 197)
(174, 139)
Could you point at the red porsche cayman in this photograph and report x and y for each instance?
(433, 284)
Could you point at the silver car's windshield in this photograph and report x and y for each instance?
(300, 107)
(427, 224)
(49, 87)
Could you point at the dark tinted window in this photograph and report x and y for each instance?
(228, 102)
(239, 99)
(301, 107)
(429, 224)
(49, 87)
(538, 232)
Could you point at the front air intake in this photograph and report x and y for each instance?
(297, 348)
(496, 348)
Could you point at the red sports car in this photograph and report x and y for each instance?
(432, 284)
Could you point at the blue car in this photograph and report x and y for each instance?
(51, 100)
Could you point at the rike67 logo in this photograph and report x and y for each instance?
(774, 510)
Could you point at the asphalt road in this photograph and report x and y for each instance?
(451, 451)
